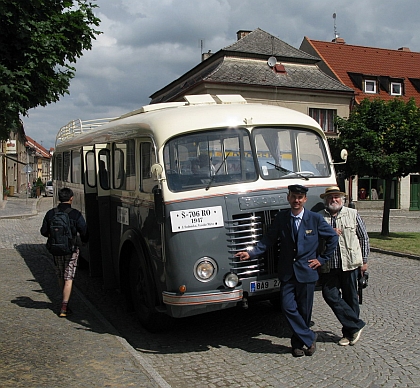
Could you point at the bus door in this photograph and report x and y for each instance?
(103, 206)
(91, 212)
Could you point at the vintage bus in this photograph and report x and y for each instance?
(172, 191)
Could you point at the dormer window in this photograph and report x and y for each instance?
(370, 86)
(396, 89)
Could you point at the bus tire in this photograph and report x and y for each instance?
(276, 303)
(143, 295)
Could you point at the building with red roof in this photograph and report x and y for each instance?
(374, 73)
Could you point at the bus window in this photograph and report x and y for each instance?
(104, 169)
(66, 166)
(124, 165)
(90, 169)
(312, 155)
(220, 156)
(76, 160)
(282, 152)
(58, 167)
(147, 158)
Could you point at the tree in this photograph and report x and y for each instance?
(383, 141)
(40, 41)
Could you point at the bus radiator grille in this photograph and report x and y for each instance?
(243, 232)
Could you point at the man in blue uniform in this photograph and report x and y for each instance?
(298, 232)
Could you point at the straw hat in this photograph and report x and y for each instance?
(332, 190)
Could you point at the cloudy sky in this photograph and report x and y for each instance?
(146, 44)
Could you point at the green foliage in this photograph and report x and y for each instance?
(382, 138)
(383, 141)
(40, 41)
(39, 183)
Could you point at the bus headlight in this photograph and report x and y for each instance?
(231, 280)
(205, 269)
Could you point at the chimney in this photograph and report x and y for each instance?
(241, 34)
(404, 49)
(205, 56)
(339, 40)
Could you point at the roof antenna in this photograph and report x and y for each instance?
(336, 34)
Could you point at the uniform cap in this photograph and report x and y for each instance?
(299, 189)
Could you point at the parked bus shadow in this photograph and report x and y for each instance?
(41, 265)
(259, 329)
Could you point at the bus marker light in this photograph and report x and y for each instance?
(182, 289)
(231, 280)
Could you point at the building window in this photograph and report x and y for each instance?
(370, 189)
(370, 86)
(396, 89)
(325, 118)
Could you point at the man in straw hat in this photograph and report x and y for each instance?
(339, 275)
(297, 231)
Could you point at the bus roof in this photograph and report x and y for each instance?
(163, 121)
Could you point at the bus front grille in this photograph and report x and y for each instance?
(243, 232)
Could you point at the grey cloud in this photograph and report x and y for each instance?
(147, 44)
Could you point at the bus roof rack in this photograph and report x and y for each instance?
(77, 127)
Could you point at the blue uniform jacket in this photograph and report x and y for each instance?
(294, 255)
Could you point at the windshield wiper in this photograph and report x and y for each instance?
(214, 176)
(279, 168)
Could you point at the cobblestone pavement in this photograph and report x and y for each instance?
(232, 348)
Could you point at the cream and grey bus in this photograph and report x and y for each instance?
(172, 191)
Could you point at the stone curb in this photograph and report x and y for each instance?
(392, 253)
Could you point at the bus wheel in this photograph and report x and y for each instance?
(143, 295)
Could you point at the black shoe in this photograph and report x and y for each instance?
(312, 349)
(298, 352)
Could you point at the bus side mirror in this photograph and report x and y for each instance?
(343, 154)
(156, 171)
(157, 193)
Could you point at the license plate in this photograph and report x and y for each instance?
(264, 285)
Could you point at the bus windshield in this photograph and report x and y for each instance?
(290, 153)
(219, 157)
(225, 156)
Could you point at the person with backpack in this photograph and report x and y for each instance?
(61, 226)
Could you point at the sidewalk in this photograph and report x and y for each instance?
(18, 206)
(39, 349)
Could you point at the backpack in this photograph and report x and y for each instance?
(60, 242)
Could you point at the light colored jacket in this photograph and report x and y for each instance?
(350, 251)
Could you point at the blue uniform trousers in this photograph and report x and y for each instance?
(297, 302)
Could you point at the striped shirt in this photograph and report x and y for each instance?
(363, 237)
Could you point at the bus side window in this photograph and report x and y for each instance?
(90, 169)
(103, 168)
(118, 175)
(147, 158)
(58, 166)
(76, 170)
(66, 166)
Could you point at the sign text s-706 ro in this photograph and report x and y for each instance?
(198, 218)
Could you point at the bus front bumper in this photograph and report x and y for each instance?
(191, 299)
(188, 304)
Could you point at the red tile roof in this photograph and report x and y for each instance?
(343, 58)
(39, 149)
